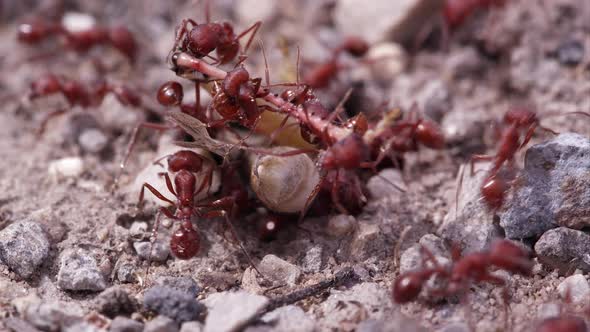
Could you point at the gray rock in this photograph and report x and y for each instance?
(399, 21)
(138, 230)
(412, 258)
(564, 249)
(473, 228)
(126, 273)
(161, 324)
(229, 311)
(290, 318)
(340, 225)
(456, 327)
(367, 241)
(159, 252)
(553, 189)
(173, 303)
(312, 260)
(194, 326)
(575, 289)
(388, 182)
(124, 324)
(47, 315)
(116, 301)
(548, 310)
(23, 247)
(278, 270)
(398, 323)
(343, 310)
(93, 140)
(79, 271)
(183, 284)
(82, 326)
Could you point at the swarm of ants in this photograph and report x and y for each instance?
(343, 150)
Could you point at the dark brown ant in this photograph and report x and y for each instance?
(78, 94)
(322, 74)
(36, 30)
(185, 242)
(564, 323)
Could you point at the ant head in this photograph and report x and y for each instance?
(45, 85)
(32, 31)
(520, 116)
(358, 124)
(234, 80)
(122, 39)
(170, 94)
(429, 134)
(203, 39)
(407, 287)
(185, 242)
(75, 93)
(228, 46)
(187, 160)
(348, 153)
(355, 46)
(493, 190)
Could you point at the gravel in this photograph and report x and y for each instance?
(159, 251)
(79, 271)
(173, 303)
(564, 249)
(116, 301)
(124, 324)
(183, 284)
(574, 289)
(279, 271)
(229, 311)
(24, 246)
(161, 324)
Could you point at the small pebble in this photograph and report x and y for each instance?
(124, 324)
(340, 225)
(23, 247)
(66, 167)
(79, 272)
(367, 241)
(116, 301)
(279, 270)
(161, 324)
(76, 22)
(193, 326)
(138, 229)
(229, 311)
(126, 273)
(183, 284)
(159, 252)
(564, 249)
(576, 288)
(93, 141)
(172, 303)
(570, 53)
(386, 60)
(312, 261)
(290, 318)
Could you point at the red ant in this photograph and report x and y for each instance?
(185, 242)
(565, 323)
(517, 121)
(36, 30)
(457, 11)
(320, 76)
(472, 268)
(78, 94)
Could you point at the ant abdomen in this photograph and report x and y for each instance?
(407, 287)
(185, 242)
(430, 135)
(347, 153)
(170, 94)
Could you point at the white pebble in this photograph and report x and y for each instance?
(340, 225)
(68, 167)
(387, 60)
(577, 287)
(76, 22)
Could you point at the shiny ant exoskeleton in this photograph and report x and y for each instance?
(37, 30)
(185, 242)
(78, 94)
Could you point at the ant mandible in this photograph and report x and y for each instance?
(35, 30)
(185, 242)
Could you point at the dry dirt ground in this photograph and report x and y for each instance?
(506, 57)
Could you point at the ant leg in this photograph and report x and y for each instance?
(43, 125)
(266, 72)
(207, 11)
(206, 181)
(297, 69)
(133, 140)
(168, 183)
(479, 157)
(254, 28)
(159, 160)
(459, 187)
(311, 197)
(334, 195)
(339, 109)
(153, 191)
(529, 134)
